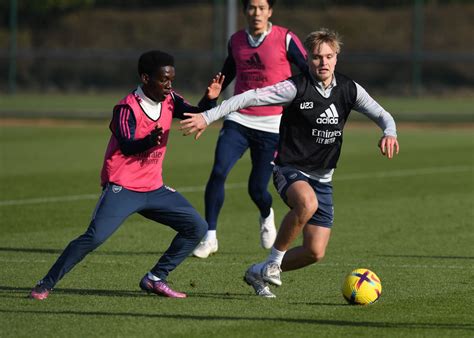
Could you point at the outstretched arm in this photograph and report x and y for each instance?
(278, 94)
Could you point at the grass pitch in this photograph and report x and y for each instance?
(447, 109)
(409, 219)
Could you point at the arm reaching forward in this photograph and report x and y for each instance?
(278, 94)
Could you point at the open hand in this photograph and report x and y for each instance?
(387, 145)
(195, 123)
(215, 86)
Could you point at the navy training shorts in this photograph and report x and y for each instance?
(283, 177)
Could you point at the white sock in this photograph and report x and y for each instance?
(276, 256)
(211, 235)
(153, 277)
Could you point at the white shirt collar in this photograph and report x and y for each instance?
(256, 41)
(325, 91)
(151, 108)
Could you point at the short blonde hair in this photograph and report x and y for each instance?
(323, 35)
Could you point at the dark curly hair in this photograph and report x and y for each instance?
(151, 61)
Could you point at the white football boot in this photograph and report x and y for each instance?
(271, 273)
(206, 248)
(255, 280)
(267, 230)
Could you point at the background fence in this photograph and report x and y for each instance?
(392, 47)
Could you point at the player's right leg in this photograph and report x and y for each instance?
(303, 203)
(316, 233)
(231, 145)
(255, 280)
(114, 206)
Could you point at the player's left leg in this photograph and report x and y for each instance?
(315, 241)
(169, 207)
(263, 146)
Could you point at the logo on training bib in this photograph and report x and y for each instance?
(254, 62)
(116, 188)
(149, 158)
(306, 105)
(330, 116)
(170, 189)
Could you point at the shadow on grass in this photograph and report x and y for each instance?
(180, 317)
(427, 256)
(59, 251)
(84, 292)
(111, 253)
(320, 304)
(117, 293)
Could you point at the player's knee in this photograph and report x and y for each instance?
(202, 229)
(316, 255)
(199, 228)
(94, 240)
(256, 193)
(95, 235)
(306, 208)
(218, 174)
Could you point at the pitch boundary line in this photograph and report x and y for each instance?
(401, 266)
(346, 177)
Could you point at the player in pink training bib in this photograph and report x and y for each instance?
(131, 176)
(258, 56)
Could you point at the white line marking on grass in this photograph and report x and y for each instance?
(401, 266)
(403, 173)
(4, 260)
(50, 199)
(322, 265)
(405, 266)
(201, 188)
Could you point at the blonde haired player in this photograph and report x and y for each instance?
(316, 107)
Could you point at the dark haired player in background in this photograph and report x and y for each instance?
(258, 56)
(131, 176)
(317, 104)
